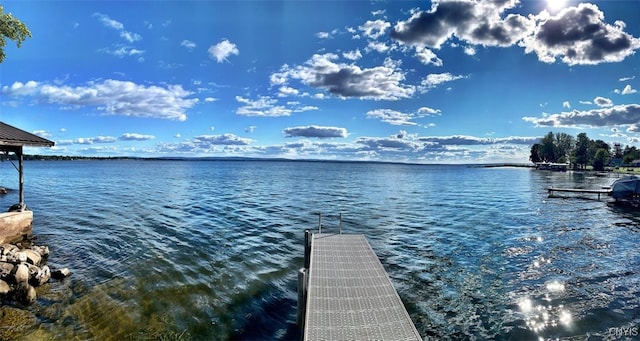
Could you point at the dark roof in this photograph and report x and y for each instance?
(14, 137)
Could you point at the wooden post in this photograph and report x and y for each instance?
(21, 171)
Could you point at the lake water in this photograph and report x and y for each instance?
(210, 249)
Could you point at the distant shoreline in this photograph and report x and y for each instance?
(28, 157)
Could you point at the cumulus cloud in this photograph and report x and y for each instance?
(87, 140)
(388, 143)
(348, 80)
(222, 50)
(426, 56)
(476, 22)
(135, 137)
(269, 107)
(118, 26)
(374, 29)
(460, 140)
(224, 139)
(566, 104)
(601, 117)
(111, 97)
(576, 35)
(205, 144)
(603, 102)
(628, 90)
(392, 117)
(579, 36)
(352, 55)
(315, 132)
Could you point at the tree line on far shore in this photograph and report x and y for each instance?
(581, 151)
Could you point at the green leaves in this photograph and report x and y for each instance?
(12, 28)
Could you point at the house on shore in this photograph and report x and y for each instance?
(16, 224)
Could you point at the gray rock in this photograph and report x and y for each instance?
(41, 277)
(5, 288)
(21, 273)
(8, 248)
(25, 294)
(61, 273)
(33, 257)
(5, 269)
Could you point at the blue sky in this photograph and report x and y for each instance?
(426, 82)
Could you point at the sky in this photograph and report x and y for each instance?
(444, 81)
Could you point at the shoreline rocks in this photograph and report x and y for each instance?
(22, 269)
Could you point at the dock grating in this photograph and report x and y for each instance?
(350, 296)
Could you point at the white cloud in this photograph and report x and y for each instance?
(476, 22)
(123, 51)
(321, 132)
(269, 107)
(188, 44)
(628, 90)
(88, 140)
(377, 46)
(352, 55)
(374, 29)
(435, 79)
(111, 97)
(392, 117)
(566, 104)
(428, 111)
(222, 50)
(210, 99)
(136, 137)
(426, 56)
(118, 26)
(579, 36)
(603, 102)
(601, 117)
(285, 91)
(470, 51)
(348, 80)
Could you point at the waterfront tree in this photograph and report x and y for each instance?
(13, 29)
(535, 153)
(548, 148)
(600, 159)
(564, 145)
(581, 150)
(630, 154)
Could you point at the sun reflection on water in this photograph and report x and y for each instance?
(540, 316)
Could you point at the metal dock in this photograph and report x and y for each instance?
(347, 293)
(599, 192)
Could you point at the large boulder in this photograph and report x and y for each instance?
(33, 257)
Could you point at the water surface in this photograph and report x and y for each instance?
(210, 249)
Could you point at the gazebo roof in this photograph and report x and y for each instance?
(11, 136)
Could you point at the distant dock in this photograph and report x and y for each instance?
(346, 294)
(599, 192)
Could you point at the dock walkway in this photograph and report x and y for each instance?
(599, 192)
(349, 294)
